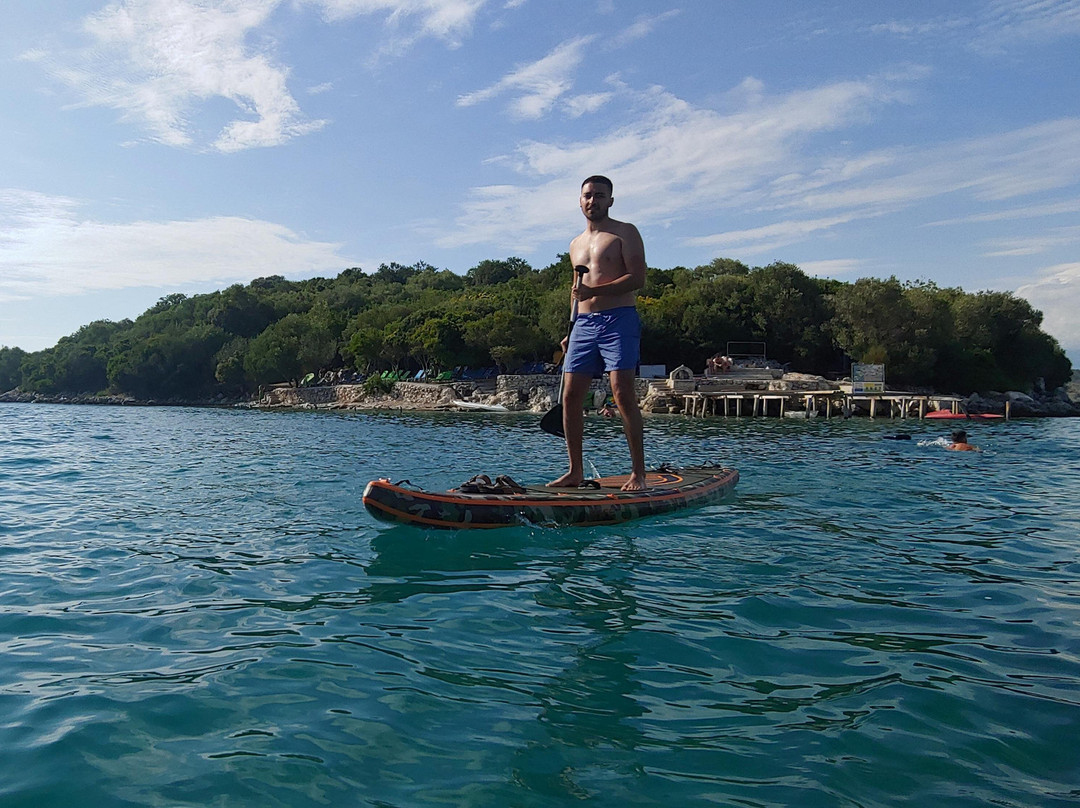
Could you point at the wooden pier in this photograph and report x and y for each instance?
(820, 402)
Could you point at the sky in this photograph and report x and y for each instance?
(154, 147)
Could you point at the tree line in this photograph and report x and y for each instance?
(506, 313)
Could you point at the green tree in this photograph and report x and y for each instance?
(1005, 345)
(364, 348)
(229, 365)
(436, 342)
(175, 363)
(11, 361)
(491, 273)
(788, 314)
(294, 346)
(505, 311)
(874, 322)
(507, 338)
(240, 311)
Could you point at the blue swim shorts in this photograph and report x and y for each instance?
(604, 341)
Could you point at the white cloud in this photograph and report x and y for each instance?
(1035, 243)
(45, 249)
(157, 60)
(1057, 295)
(540, 83)
(924, 28)
(672, 157)
(1027, 212)
(641, 28)
(995, 27)
(1027, 22)
(579, 105)
(444, 18)
(772, 236)
(1042, 157)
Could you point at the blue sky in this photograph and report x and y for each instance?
(149, 147)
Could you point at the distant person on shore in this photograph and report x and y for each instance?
(960, 443)
(606, 336)
(716, 364)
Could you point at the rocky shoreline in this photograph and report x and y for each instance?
(537, 394)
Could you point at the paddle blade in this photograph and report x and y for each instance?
(552, 421)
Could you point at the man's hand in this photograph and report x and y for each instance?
(584, 292)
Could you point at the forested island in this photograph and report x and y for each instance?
(505, 313)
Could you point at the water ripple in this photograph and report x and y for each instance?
(196, 610)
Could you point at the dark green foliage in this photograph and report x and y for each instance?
(77, 364)
(377, 386)
(505, 313)
(241, 312)
(11, 362)
(945, 338)
(174, 363)
(491, 273)
(294, 346)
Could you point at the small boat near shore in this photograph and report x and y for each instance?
(946, 415)
(476, 405)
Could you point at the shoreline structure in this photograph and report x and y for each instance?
(762, 392)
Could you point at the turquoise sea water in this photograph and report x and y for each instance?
(196, 610)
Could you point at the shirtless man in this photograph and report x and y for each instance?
(607, 333)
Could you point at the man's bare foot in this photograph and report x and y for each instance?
(635, 482)
(568, 480)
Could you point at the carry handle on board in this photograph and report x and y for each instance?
(552, 420)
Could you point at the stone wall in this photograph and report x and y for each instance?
(413, 395)
(536, 393)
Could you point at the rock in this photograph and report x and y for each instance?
(513, 400)
(1072, 389)
(1017, 397)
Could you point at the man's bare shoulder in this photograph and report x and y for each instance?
(623, 230)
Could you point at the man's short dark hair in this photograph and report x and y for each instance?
(602, 180)
(959, 436)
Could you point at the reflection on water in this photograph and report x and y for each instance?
(196, 611)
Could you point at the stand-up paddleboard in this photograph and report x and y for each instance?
(945, 415)
(474, 505)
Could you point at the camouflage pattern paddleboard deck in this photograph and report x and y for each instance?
(669, 490)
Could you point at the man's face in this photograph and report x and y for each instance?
(595, 201)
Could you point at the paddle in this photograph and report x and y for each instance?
(552, 420)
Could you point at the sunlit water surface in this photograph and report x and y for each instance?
(196, 610)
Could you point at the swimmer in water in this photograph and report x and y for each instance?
(960, 443)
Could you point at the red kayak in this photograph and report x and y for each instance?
(945, 415)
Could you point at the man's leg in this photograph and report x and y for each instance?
(622, 388)
(575, 388)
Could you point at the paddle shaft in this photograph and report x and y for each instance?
(552, 420)
(569, 331)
